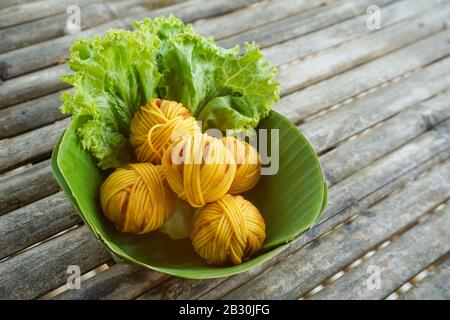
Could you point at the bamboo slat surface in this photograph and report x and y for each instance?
(375, 104)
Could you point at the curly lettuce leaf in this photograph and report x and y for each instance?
(115, 75)
(223, 89)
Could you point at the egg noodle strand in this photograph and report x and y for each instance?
(228, 230)
(156, 125)
(248, 171)
(205, 172)
(136, 198)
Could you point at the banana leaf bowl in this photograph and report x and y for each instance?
(291, 201)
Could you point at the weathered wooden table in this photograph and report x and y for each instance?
(375, 103)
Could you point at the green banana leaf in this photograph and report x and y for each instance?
(290, 201)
